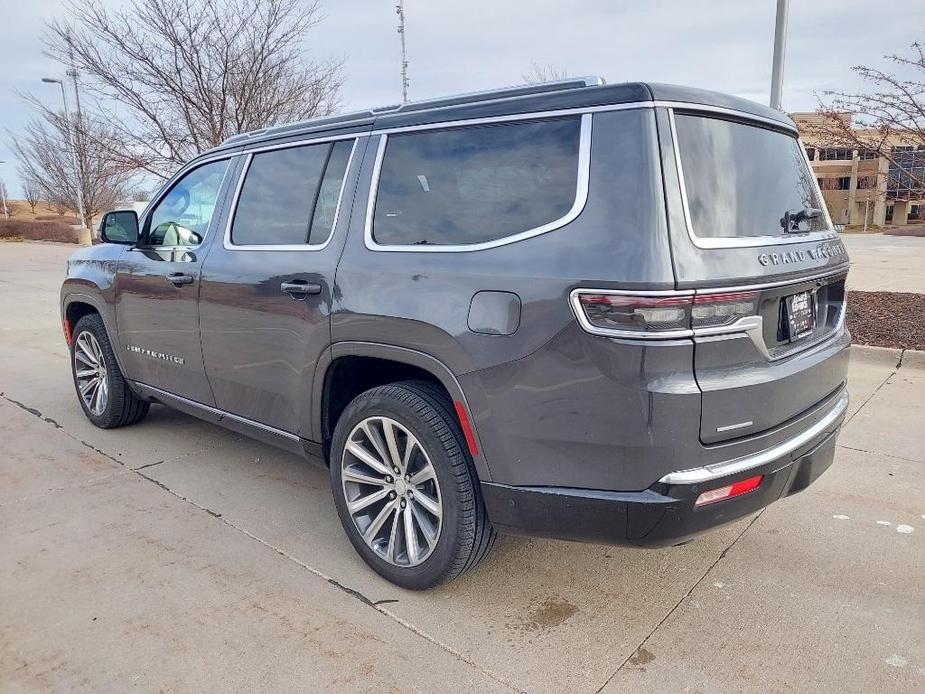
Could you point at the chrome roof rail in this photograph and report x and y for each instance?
(443, 101)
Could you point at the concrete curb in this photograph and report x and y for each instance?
(889, 355)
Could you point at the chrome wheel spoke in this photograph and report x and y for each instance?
(431, 505)
(364, 501)
(373, 436)
(411, 540)
(358, 451)
(393, 539)
(389, 431)
(399, 515)
(354, 475)
(422, 475)
(378, 522)
(428, 529)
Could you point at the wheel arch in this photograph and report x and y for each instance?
(76, 305)
(403, 363)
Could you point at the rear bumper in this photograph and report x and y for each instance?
(665, 513)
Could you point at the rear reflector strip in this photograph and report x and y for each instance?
(729, 491)
(466, 427)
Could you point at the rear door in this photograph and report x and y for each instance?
(265, 299)
(750, 235)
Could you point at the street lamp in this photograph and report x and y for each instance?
(72, 144)
(6, 211)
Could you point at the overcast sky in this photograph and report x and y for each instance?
(467, 45)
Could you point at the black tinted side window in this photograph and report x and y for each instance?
(279, 193)
(476, 184)
(332, 183)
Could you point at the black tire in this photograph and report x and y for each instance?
(123, 407)
(466, 535)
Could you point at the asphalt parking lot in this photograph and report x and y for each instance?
(177, 556)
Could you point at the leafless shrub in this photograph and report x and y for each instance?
(544, 72)
(37, 231)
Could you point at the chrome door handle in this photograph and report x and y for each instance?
(300, 288)
(178, 278)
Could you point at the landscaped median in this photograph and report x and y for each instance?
(38, 230)
(887, 319)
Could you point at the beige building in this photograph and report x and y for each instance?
(861, 187)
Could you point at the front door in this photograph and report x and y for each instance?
(265, 299)
(157, 286)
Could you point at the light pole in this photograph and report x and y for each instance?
(780, 46)
(6, 212)
(73, 146)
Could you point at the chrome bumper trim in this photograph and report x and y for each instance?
(730, 467)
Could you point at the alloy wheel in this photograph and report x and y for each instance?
(391, 490)
(90, 371)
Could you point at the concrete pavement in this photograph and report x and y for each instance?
(175, 555)
(882, 263)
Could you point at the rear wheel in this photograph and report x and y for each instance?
(405, 487)
(102, 390)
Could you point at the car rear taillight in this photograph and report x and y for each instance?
(729, 491)
(717, 310)
(622, 314)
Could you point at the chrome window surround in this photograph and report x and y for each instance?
(749, 326)
(742, 241)
(707, 473)
(168, 186)
(249, 154)
(581, 190)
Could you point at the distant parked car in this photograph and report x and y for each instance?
(603, 313)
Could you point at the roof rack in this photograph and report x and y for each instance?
(452, 100)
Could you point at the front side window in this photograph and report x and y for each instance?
(742, 180)
(290, 196)
(182, 216)
(476, 184)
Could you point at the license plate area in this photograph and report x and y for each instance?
(798, 319)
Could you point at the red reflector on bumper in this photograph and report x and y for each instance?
(729, 491)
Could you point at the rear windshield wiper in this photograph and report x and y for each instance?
(792, 218)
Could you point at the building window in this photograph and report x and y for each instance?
(866, 182)
(836, 153)
(843, 183)
(810, 152)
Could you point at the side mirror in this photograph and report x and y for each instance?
(120, 227)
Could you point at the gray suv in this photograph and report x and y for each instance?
(603, 313)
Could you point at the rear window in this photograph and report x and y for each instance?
(290, 196)
(741, 180)
(476, 184)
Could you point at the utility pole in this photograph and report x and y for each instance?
(71, 142)
(780, 47)
(400, 10)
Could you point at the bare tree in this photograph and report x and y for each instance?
(31, 190)
(890, 111)
(46, 158)
(544, 72)
(183, 75)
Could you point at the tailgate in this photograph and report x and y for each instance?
(747, 221)
(756, 381)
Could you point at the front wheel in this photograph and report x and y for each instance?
(102, 390)
(405, 487)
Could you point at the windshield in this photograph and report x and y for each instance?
(745, 180)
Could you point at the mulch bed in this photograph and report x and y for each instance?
(887, 319)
